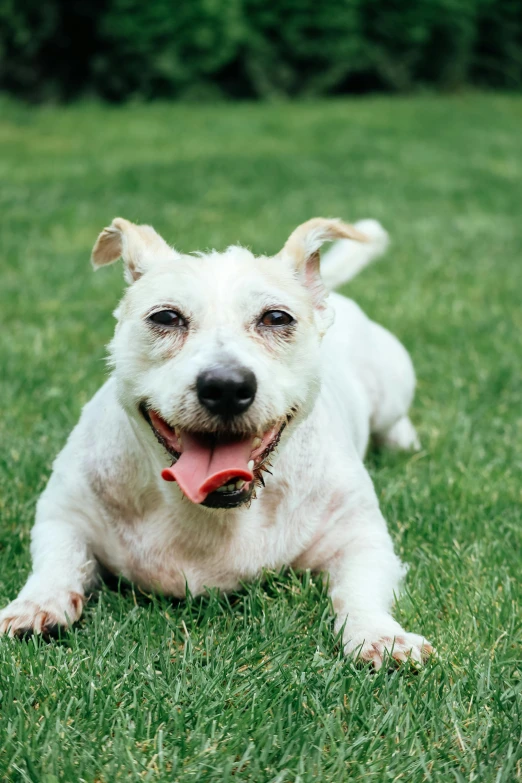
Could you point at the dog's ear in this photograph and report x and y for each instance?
(302, 249)
(138, 246)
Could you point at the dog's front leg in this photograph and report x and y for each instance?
(54, 594)
(364, 574)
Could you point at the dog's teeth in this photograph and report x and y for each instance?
(251, 465)
(256, 443)
(226, 488)
(240, 484)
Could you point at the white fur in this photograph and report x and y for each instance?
(106, 503)
(346, 258)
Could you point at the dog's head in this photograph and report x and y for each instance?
(218, 352)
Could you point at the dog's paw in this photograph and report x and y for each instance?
(401, 437)
(395, 647)
(25, 616)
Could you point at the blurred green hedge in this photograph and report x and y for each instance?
(119, 49)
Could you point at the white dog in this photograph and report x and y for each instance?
(230, 436)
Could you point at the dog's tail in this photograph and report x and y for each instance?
(345, 259)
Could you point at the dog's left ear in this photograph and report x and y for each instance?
(302, 250)
(138, 246)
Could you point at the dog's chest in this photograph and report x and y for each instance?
(158, 553)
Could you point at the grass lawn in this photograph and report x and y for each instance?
(252, 687)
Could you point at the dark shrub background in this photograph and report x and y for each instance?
(120, 49)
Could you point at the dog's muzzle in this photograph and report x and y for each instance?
(218, 469)
(226, 391)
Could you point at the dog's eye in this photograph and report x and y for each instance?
(276, 318)
(167, 318)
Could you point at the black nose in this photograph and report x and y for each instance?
(226, 391)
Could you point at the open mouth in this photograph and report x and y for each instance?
(218, 469)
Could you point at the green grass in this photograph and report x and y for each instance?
(253, 687)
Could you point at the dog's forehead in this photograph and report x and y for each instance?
(235, 279)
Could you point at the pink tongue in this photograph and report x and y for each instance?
(201, 469)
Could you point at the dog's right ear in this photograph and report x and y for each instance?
(302, 250)
(138, 246)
